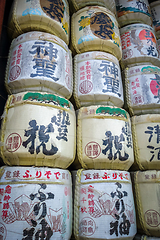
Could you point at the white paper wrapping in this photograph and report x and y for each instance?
(35, 203)
(103, 205)
(39, 62)
(38, 129)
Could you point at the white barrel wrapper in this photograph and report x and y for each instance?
(145, 132)
(133, 12)
(39, 62)
(97, 79)
(95, 28)
(104, 205)
(142, 84)
(38, 129)
(139, 44)
(40, 15)
(104, 138)
(146, 192)
(35, 202)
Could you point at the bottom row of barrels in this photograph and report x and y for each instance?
(44, 203)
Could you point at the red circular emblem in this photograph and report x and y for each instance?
(13, 142)
(152, 218)
(85, 87)
(87, 226)
(14, 73)
(92, 150)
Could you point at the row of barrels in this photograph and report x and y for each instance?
(40, 127)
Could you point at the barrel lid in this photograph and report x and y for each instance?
(146, 118)
(136, 26)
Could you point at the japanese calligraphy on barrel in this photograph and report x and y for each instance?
(78, 4)
(95, 28)
(36, 203)
(40, 15)
(155, 13)
(133, 12)
(97, 79)
(39, 61)
(146, 190)
(103, 205)
(104, 138)
(38, 129)
(139, 44)
(142, 84)
(146, 132)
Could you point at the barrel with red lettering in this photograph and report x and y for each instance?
(103, 205)
(40, 15)
(97, 79)
(36, 203)
(146, 190)
(39, 61)
(139, 44)
(38, 129)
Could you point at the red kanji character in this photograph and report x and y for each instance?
(88, 176)
(90, 209)
(8, 174)
(5, 213)
(83, 200)
(20, 46)
(18, 61)
(87, 63)
(6, 205)
(96, 176)
(38, 174)
(90, 188)
(90, 230)
(126, 176)
(91, 202)
(48, 173)
(6, 198)
(63, 175)
(1, 191)
(57, 174)
(14, 53)
(121, 175)
(82, 68)
(83, 209)
(16, 174)
(83, 191)
(26, 174)
(91, 196)
(8, 189)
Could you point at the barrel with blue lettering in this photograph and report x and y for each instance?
(38, 129)
(40, 15)
(36, 203)
(39, 61)
(103, 205)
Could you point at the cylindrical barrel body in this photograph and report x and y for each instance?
(142, 85)
(104, 138)
(95, 28)
(39, 62)
(139, 44)
(38, 129)
(133, 12)
(146, 191)
(97, 79)
(145, 132)
(36, 203)
(155, 13)
(39, 15)
(103, 205)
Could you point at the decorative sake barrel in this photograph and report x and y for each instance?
(155, 13)
(40, 15)
(95, 28)
(129, 12)
(39, 62)
(104, 138)
(38, 129)
(78, 4)
(146, 191)
(142, 84)
(145, 132)
(139, 45)
(104, 205)
(97, 79)
(36, 203)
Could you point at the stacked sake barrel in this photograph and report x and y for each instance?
(103, 199)
(141, 73)
(38, 130)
